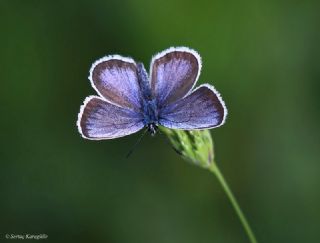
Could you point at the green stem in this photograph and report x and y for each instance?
(214, 169)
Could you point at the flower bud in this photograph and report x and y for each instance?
(195, 146)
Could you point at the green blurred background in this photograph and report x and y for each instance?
(263, 56)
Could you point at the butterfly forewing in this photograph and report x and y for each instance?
(99, 119)
(201, 109)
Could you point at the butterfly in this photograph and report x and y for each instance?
(129, 99)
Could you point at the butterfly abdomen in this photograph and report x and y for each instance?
(143, 81)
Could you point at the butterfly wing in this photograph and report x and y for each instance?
(99, 119)
(117, 112)
(115, 79)
(202, 109)
(174, 73)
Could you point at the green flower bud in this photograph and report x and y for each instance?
(195, 146)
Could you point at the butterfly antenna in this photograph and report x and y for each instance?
(136, 144)
(167, 141)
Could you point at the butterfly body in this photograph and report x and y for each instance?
(130, 99)
(150, 114)
(149, 106)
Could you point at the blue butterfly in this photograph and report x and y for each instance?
(130, 99)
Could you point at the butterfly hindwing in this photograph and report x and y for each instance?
(173, 73)
(115, 78)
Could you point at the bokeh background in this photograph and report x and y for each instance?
(263, 56)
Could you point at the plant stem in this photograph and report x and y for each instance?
(215, 170)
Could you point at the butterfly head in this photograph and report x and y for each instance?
(152, 128)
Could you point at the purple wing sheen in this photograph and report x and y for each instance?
(201, 109)
(173, 74)
(99, 119)
(115, 78)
